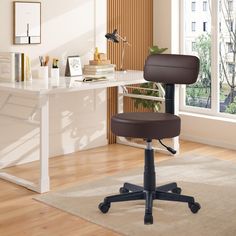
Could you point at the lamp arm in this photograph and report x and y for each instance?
(123, 39)
(122, 57)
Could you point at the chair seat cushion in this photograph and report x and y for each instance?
(147, 125)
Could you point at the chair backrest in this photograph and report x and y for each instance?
(171, 69)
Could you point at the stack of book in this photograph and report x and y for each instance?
(14, 67)
(99, 70)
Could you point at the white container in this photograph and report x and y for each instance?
(55, 73)
(43, 72)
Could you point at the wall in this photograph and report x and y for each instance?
(77, 121)
(166, 24)
(199, 128)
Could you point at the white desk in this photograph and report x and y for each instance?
(42, 91)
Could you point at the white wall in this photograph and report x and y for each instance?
(77, 121)
(166, 24)
(204, 129)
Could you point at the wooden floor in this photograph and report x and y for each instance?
(21, 215)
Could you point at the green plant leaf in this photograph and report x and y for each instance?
(156, 50)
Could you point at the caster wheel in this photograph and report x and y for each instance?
(194, 207)
(176, 190)
(124, 190)
(148, 219)
(104, 208)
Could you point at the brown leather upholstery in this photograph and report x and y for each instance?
(171, 69)
(168, 69)
(151, 125)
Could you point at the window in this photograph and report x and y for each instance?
(204, 6)
(204, 26)
(193, 46)
(229, 24)
(230, 5)
(231, 68)
(193, 26)
(214, 93)
(229, 47)
(193, 6)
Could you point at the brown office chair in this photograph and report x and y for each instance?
(170, 70)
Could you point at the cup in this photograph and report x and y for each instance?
(43, 72)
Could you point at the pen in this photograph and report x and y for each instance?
(46, 61)
(41, 60)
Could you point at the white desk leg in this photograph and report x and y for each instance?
(44, 183)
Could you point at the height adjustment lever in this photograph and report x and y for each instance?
(170, 149)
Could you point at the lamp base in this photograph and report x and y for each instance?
(122, 70)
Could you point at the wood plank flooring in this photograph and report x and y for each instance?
(21, 215)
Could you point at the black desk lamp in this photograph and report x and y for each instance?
(116, 38)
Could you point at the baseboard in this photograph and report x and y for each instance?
(211, 142)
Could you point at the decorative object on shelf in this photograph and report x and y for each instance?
(116, 38)
(99, 66)
(73, 66)
(99, 58)
(27, 22)
(96, 55)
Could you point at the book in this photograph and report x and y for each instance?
(94, 79)
(93, 67)
(18, 67)
(7, 66)
(14, 66)
(103, 62)
(86, 72)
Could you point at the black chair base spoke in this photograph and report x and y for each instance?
(138, 193)
(132, 187)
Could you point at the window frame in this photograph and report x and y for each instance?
(204, 6)
(230, 5)
(193, 26)
(193, 6)
(204, 26)
(215, 88)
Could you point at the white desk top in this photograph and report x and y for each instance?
(71, 84)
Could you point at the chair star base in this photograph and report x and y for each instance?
(149, 192)
(131, 192)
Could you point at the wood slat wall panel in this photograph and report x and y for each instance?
(133, 19)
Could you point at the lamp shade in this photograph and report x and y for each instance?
(112, 36)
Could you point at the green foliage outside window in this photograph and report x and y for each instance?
(232, 107)
(199, 94)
